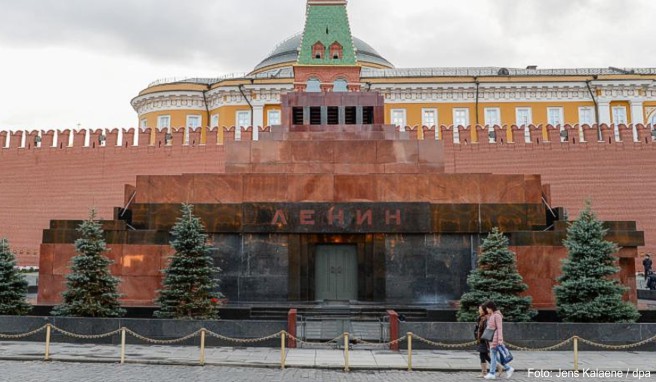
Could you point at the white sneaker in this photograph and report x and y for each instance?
(509, 372)
(490, 376)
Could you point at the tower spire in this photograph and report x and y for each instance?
(327, 36)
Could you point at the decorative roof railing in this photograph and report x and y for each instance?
(495, 71)
(274, 73)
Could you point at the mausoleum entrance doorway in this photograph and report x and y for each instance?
(336, 272)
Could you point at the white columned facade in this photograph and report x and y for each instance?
(604, 112)
(258, 120)
(637, 112)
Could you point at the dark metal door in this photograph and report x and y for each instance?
(336, 272)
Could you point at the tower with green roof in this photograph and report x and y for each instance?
(327, 25)
(327, 58)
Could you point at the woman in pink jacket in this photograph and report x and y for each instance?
(495, 322)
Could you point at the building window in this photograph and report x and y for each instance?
(460, 117)
(215, 120)
(555, 116)
(429, 117)
(193, 122)
(398, 118)
(586, 116)
(524, 116)
(333, 115)
(297, 116)
(350, 115)
(492, 116)
(164, 122)
(313, 86)
(143, 124)
(340, 86)
(243, 120)
(315, 115)
(367, 115)
(318, 50)
(653, 120)
(619, 115)
(336, 51)
(273, 116)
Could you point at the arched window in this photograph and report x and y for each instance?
(340, 86)
(336, 51)
(318, 50)
(313, 86)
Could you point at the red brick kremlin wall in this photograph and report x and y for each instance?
(619, 177)
(40, 184)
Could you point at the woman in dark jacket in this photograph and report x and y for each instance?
(481, 344)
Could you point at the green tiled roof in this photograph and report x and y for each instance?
(327, 24)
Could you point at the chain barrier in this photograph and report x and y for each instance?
(332, 343)
(548, 348)
(442, 344)
(380, 344)
(617, 347)
(163, 342)
(242, 340)
(85, 336)
(23, 335)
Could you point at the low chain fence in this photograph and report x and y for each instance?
(345, 340)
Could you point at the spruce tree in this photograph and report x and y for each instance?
(13, 286)
(497, 279)
(189, 287)
(586, 292)
(91, 289)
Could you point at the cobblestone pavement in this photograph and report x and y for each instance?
(91, 372)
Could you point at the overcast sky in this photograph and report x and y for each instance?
(64, 62)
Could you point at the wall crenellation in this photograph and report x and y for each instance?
(456, 135)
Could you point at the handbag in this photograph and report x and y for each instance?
(505, 356)
(488, 334)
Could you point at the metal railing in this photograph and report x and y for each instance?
(346, 339)
(347, 325)
(494, 71)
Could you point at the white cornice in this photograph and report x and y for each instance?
(174, 100)
(512, 92)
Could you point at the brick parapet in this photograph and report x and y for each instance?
(63, 182)
(50, 183)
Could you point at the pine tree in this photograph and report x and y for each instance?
(13, 286)
(586, 292)
(91, 289)
(496, 279)
(189, 288)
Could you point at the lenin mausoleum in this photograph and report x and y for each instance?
(326, 174)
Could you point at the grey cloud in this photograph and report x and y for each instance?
(233, 35)
(228, 33)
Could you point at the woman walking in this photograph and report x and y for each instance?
(482, 345)
(495, 322)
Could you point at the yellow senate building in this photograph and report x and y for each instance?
(415, 98)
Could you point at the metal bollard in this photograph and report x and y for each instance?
(47, 355)
(122, 345)
(409, 351)
(576, 353)
(202, 347)
(346, 352)
(282, 349)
